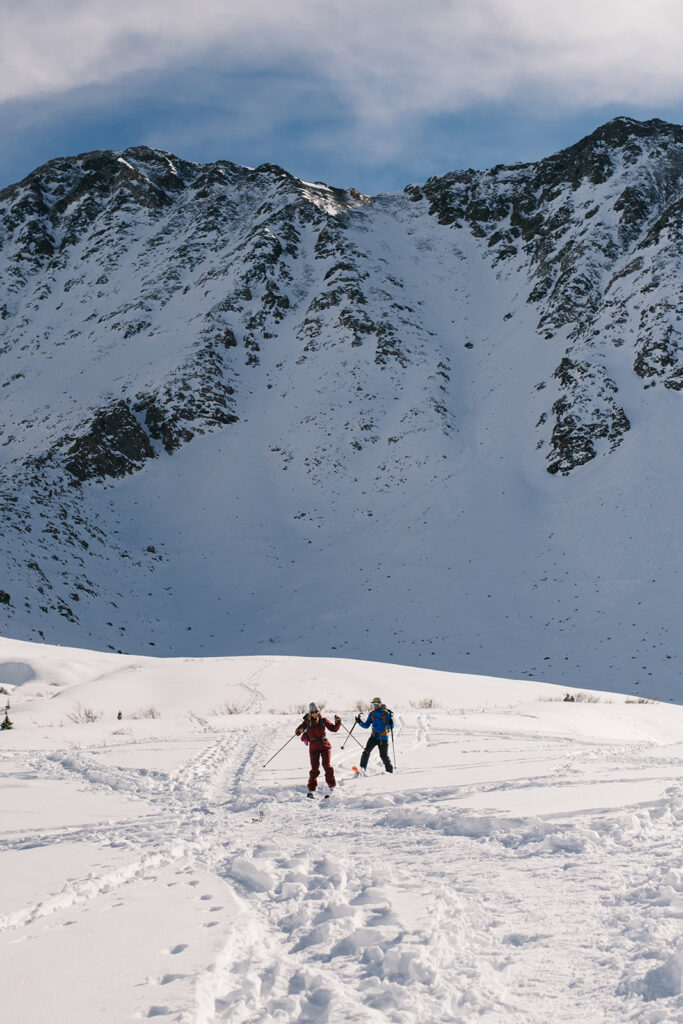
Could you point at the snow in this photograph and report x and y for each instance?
(521, 865)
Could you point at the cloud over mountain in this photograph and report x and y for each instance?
(387, 61)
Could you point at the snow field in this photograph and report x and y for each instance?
(522, 864)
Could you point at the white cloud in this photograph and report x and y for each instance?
(387, 59)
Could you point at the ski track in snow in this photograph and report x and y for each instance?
(394, 905)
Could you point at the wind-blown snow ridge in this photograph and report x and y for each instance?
(242, 411)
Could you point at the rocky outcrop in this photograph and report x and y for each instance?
(597, 229)
(585, 415)
(113, 444)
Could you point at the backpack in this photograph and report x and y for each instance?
(388, 719)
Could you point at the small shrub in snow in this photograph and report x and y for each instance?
(230, 709)
(4, 691)
(83, 716)
(150, 712)
(424, 702)
(641, 700)
(361, 706)
(7, 723)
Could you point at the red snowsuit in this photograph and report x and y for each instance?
(318, 749)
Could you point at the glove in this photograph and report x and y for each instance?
(337, 720)
(358, 719)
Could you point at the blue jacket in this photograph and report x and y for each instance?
(381, 720)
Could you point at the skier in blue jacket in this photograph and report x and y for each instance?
(382, 722)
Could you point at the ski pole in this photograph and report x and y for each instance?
(393, 748)
(357, 741)
(278, 751)
(349, 732)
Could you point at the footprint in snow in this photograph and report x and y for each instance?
(373, 894)
(357, 941)
(334, 912)
(316, 935)
(519, 939)
(381, 917)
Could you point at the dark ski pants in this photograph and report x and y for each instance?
(316, 757)
(383, 746)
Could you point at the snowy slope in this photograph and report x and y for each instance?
(521, 865)
(245, 413)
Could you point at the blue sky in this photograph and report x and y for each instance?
(373, 95)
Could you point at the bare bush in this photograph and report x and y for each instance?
(361, 706)
(150, 712)
(641, 700)
(424, 702)
(230, 709)
(82, 715)
(4, 691)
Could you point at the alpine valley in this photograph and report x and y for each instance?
(247, 414)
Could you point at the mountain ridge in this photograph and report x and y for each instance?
(418, 366)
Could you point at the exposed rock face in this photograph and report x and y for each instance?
(114, 445)
(147, 302)
(596, 227)
(585, 414)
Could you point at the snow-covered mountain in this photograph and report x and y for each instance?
(439, 427)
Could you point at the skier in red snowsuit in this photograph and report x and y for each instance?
(312, 731)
